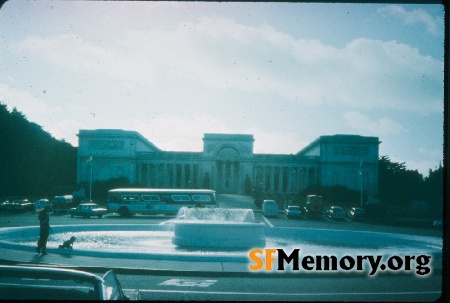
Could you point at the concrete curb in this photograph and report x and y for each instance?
(200, 273)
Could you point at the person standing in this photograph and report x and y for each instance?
(44, 219)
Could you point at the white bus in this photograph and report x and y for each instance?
(152, 201)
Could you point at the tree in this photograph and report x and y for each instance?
(32, 162)
(398, 185)
(434, 190)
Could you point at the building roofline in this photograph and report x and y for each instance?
(116, 132)
(228, 137)
(341, 138)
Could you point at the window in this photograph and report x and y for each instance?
(181, 198)
(201, 198)
(130, 197)
(150, 198)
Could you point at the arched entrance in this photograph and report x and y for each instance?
(228, 170)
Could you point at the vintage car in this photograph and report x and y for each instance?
(336, 212)
(293, 212)
(22, 205)
(50, 283)
(88, 210)
(356, 213)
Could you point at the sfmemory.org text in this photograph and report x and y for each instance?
(264, 259)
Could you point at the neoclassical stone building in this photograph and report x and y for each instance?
(226, 161)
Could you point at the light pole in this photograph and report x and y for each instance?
(361, 176)
(90, 181)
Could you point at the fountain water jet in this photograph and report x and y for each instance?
(217, 228)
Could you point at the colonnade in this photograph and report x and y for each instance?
(173, 175)
(282, 179)
(227, 176)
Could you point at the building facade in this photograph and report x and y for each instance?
(227, 163)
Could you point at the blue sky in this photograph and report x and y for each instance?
(285, 72)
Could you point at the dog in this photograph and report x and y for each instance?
(68, 244)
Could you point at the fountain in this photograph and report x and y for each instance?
(214, 235)
(217, 228)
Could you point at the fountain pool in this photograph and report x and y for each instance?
(147, 241)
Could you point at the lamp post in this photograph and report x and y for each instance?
(361, 176)
(90, 181)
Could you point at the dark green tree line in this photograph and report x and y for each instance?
(399, 187)
(32, 162)
(397, 184)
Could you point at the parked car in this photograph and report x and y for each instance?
(270, 208)
(336, 212)
(88, 210)
(293, 212)
(313, 207)
(356, 213)
(50, 283)
(6, 205)
(41, 203)
(22, 205)
(62, 204)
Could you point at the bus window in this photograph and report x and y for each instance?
(150, 198)
(130, 198)
(181, 198)
(201, 198)
(129, 201)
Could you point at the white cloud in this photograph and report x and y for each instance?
(48, 117)
(366, 125)
(175, 133)
(19, 99)
(220, 53)
(75, 53)
(422, 167)
(172, 133)
(66, 130)
(432, 24)
(436, 154)
(270, 142)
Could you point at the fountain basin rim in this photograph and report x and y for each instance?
(215, 223)
(8, 233)
(270, 231)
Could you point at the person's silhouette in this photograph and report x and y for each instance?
(44, 219)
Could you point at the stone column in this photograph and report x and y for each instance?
(174, 175)
(272, 182)
(147, 184)
(183, 176)
(157, 176)
(280, 179)
(232, 177)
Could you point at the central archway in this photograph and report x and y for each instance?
(228, 170)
